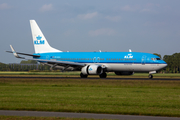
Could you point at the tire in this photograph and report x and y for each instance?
(83, 76)
(150, 76)
(103, 75)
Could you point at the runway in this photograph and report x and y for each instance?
(109, 78)
(82, 115)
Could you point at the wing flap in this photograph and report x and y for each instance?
(61, 63)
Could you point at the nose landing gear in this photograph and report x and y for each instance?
(150, 76)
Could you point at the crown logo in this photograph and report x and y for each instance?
(39, 41)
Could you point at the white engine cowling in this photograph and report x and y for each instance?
(123, 73)
(92, 70)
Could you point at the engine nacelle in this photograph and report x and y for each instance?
(124, 73)
(92, 70)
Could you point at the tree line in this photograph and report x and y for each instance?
(29, 65)
(173, 62)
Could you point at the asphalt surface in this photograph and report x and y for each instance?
(82, 115)
(113, 78)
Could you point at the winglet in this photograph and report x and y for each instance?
(14, 52)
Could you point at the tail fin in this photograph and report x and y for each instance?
(41, 45)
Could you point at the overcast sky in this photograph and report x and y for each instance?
(151, 26)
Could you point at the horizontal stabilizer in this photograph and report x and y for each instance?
(24, 54)
(16, 53)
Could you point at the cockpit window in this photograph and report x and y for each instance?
(155, 58)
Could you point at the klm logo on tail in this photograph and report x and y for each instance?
(39, 41)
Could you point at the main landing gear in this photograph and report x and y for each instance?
(83, 76)
(150, 76)
(102, 75)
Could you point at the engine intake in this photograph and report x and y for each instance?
(92, 70)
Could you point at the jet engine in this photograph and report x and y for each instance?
(123, 73)
(92, 70)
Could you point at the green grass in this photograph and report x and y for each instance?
(140, 97)
(41, 118)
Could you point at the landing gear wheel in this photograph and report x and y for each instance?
(83, 76)
(103, 75)
(150, 76)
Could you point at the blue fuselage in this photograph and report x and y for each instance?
(103, 57)
(115, 61)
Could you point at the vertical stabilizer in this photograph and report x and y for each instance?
(40, 43)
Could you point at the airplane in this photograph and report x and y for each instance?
(90, 63)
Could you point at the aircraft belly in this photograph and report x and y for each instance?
(130, 67)
(122, 67)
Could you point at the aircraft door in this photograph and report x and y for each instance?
(96, 59)
(143, 60)
(47, 57)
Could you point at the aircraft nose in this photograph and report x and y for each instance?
(165, 65)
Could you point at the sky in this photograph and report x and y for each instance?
(151, 26)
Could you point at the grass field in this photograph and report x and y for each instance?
(138, 97)
(42, 118)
